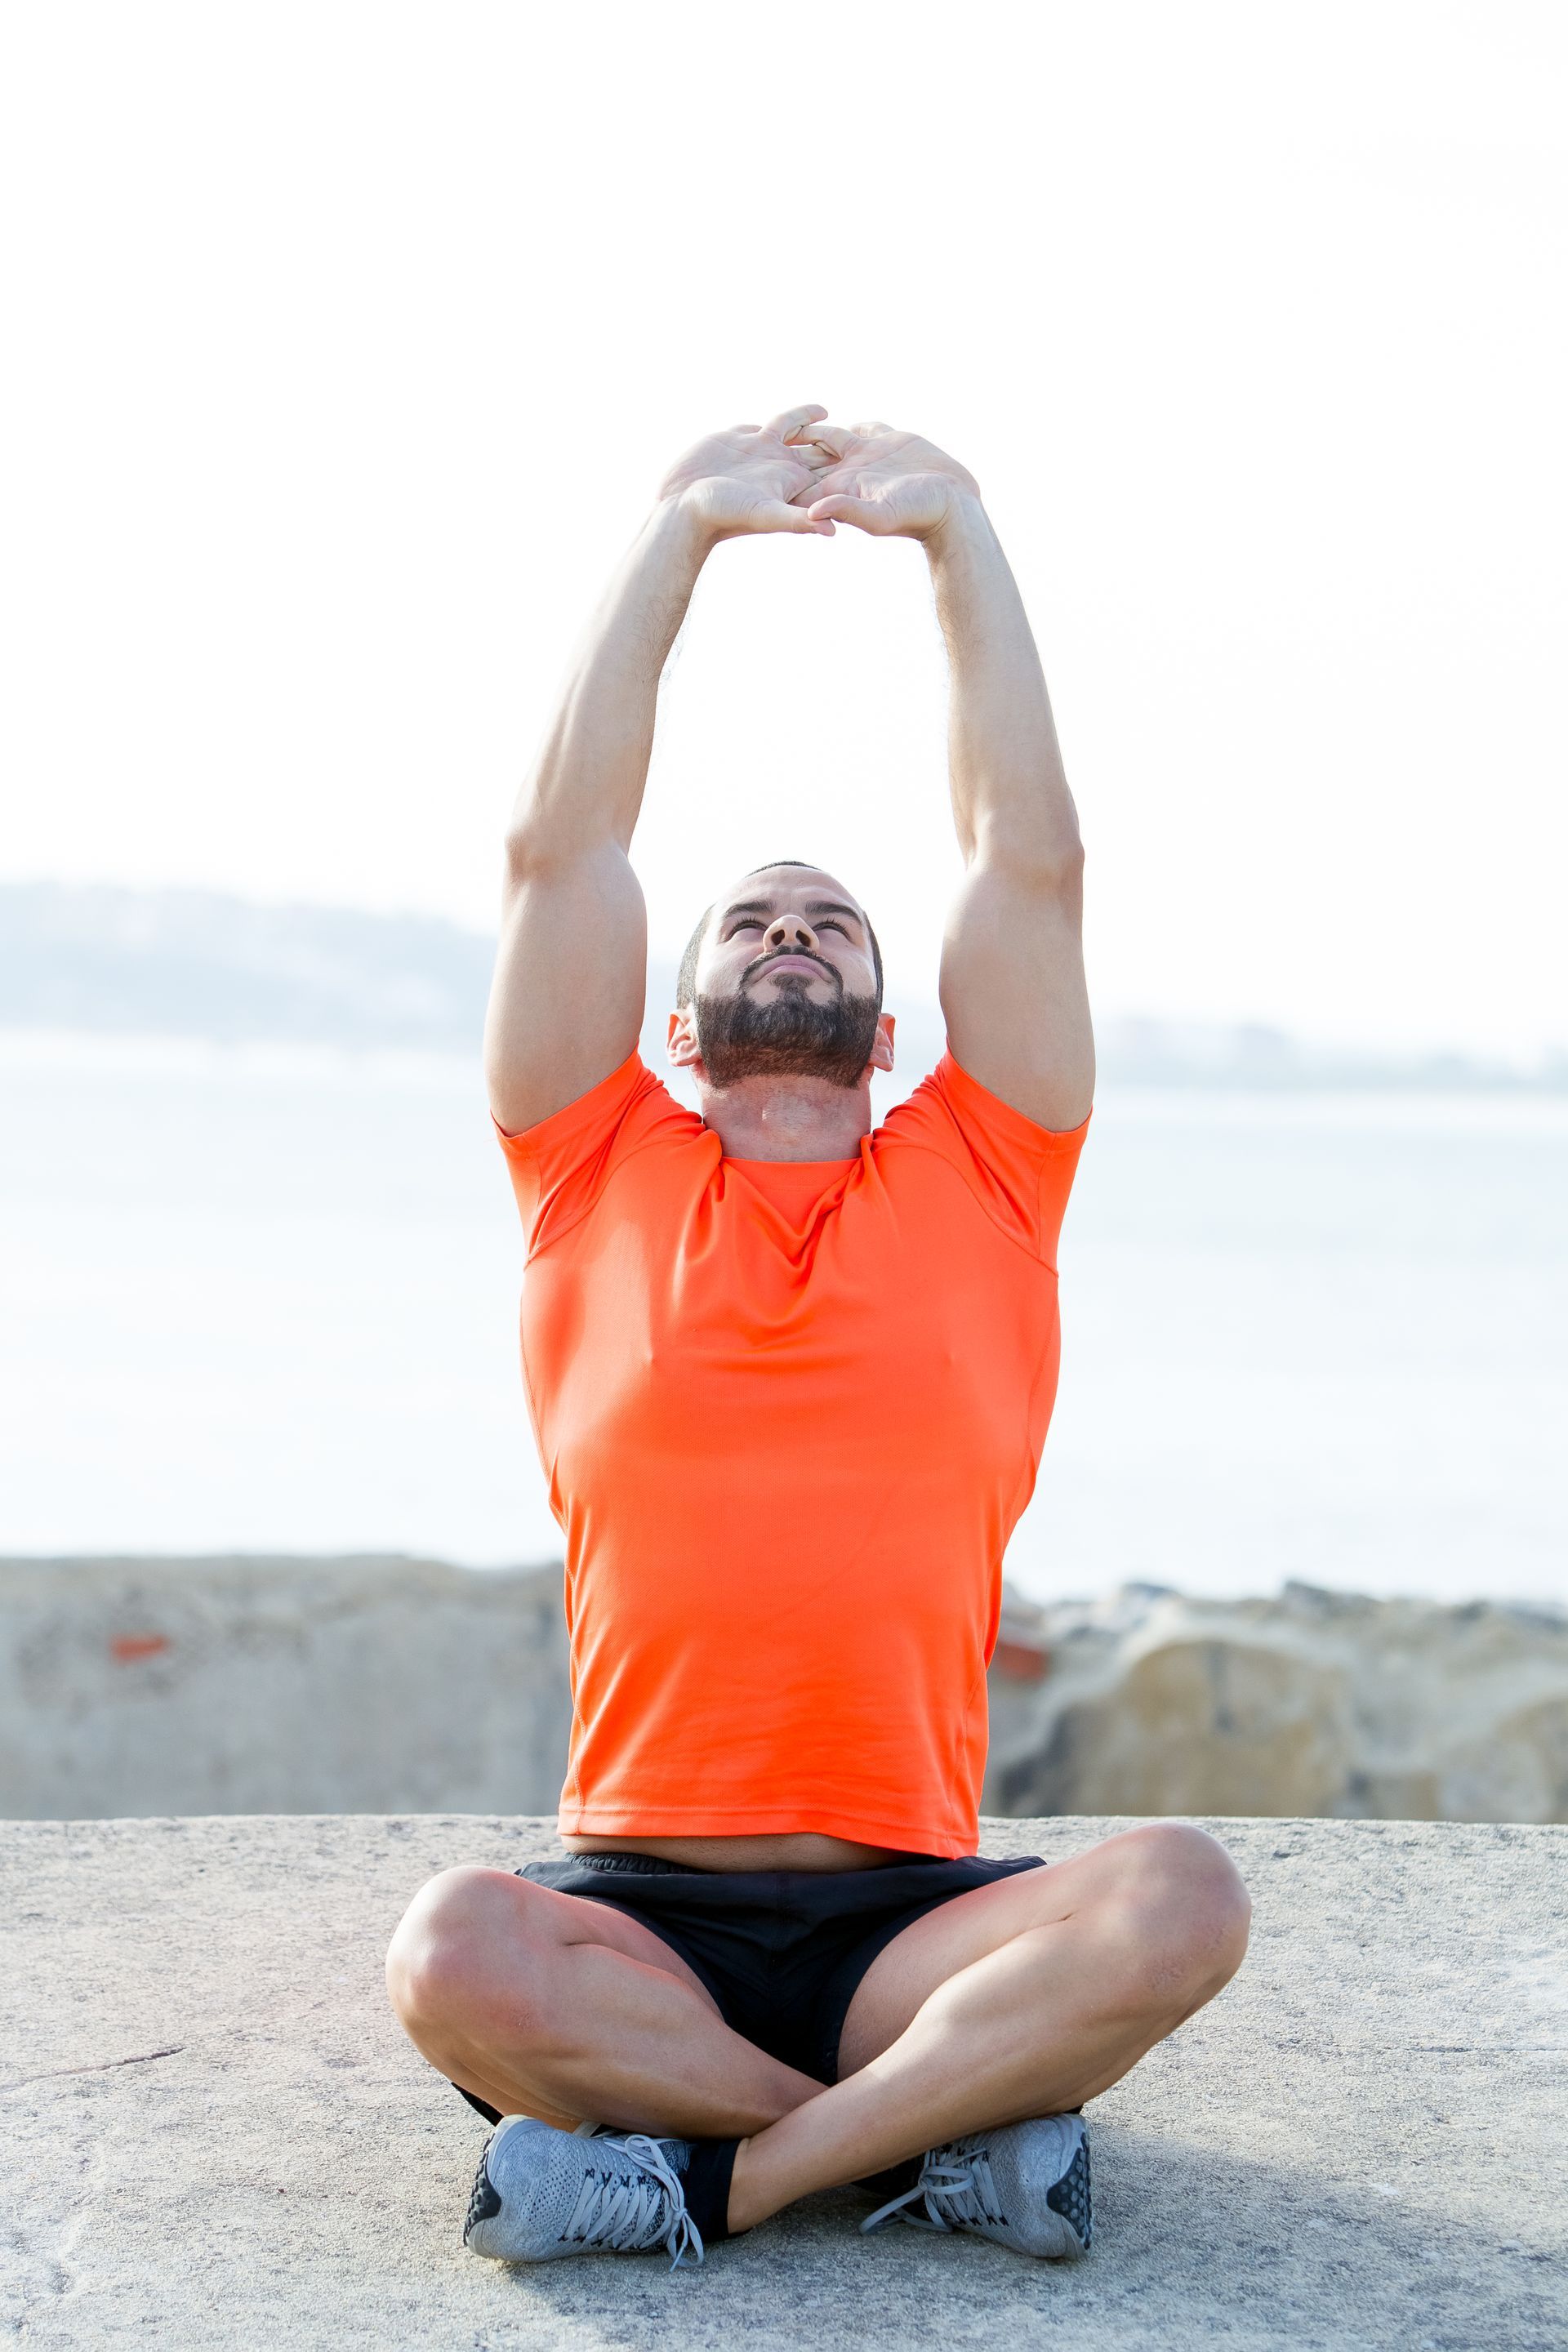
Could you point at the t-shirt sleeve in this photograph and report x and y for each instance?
(559, 1168)
(1019, 1172)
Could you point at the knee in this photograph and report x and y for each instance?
(1182, 1913)
(464, 1930)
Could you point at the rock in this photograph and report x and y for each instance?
(1318, 1702)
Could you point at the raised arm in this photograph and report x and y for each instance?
(1013, 987)
(566, 1002)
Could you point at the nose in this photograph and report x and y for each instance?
(786, 932)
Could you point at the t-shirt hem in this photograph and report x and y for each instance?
(905, 1837)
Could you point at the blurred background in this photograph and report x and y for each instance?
(353, 342)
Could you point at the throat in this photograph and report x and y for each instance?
(801, 1119)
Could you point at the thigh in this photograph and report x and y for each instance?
(965, 1927)
(591, 1919)
(475, 1936)
(474, 1939)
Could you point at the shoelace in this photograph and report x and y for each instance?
(633, 2210)
(959, 2190)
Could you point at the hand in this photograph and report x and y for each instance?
(746, 478)
(885, 482)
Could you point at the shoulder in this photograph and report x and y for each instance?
(1018, 1172)
(559, 1168)
(952, 1113)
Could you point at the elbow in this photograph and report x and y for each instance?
(1063, 869)
(543, 849)
(547, 862)
(1047, 864)
(527, 853)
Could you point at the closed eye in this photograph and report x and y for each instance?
(822, 918)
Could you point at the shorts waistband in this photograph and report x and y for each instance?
(620, 1863)
(646, 1864)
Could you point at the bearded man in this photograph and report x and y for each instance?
(790, 1376)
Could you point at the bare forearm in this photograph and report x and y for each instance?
(566, 1004)
(585, 787)
(1010, 796)
(1011, 967)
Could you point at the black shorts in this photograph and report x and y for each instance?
(780, 1950)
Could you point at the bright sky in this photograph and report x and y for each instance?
(348, 343)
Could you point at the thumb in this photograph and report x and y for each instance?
(777, 514)
(866, 514)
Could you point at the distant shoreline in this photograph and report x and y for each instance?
(202, 969)
(132, 1057)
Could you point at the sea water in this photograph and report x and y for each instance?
(266, 1301)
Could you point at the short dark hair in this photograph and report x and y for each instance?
(686, 978)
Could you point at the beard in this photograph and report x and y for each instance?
(790, 1038)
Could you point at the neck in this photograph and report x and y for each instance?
(788, 1118)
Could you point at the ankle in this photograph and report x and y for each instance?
(709, 2171)
(743, 2212)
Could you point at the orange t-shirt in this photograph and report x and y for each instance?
(789, 1412)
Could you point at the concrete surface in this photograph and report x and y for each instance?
(277, 1685)
(216, 2136)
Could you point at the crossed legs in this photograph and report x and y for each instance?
(1024, 1997)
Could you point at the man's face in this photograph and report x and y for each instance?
(786, 983)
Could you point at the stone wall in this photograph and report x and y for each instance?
(278, 1685)
(388, 1684)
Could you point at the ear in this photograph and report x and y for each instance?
(882, 1051)
(681, 1041)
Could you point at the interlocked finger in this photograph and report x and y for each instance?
(816, 462)
(824, 478)
(833, 440)
(791, 421)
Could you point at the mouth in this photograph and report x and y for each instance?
(810, 966)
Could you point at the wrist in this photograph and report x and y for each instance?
(679, 523)
(690, 519)
(964, 524)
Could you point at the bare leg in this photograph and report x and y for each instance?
(1021, 1998)
(544, 2004)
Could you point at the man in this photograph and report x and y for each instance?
(789, 1379)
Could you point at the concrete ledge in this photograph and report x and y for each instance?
(238, 1685)
(215, 2134)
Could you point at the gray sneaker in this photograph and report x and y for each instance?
(1024, 2186)
(541, 2193)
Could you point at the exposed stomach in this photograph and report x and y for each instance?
(790, 1850)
